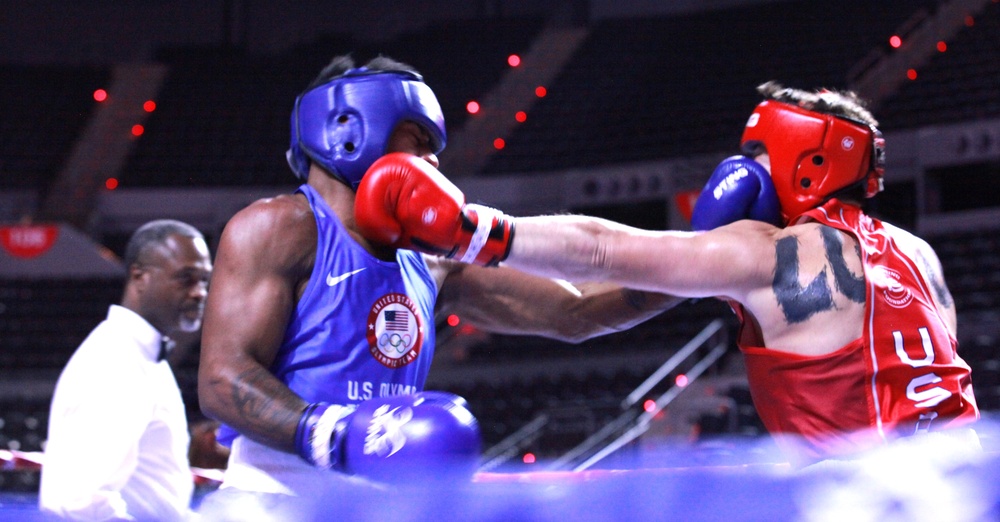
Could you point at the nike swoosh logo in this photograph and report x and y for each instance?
(331, 281)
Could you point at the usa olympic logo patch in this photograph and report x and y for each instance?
(395, 330)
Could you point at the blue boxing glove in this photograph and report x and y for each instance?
(400, 439)
(739, 188)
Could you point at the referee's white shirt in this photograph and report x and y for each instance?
(118, 438)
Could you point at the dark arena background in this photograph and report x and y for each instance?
(114, 113)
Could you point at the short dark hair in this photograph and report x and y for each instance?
(154, 234)
(845, 104)
(341, 64)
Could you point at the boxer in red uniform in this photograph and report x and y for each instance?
(848, 328)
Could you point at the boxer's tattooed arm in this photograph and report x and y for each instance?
(264, 402)
(847, 284)
(936, 281)
(797, 302)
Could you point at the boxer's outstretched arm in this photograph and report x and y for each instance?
(507, 301)
(405, 202)
(732, 261)
(263, 252)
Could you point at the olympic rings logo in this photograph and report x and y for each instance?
(395, 342)
(395, 330)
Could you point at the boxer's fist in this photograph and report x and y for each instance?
(402, 439)
(739, 188)
(404, 202)
(413, 437)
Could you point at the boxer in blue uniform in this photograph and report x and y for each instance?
(317, 342)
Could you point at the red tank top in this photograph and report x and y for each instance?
(901, 377)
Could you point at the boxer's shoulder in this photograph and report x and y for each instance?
(282, 227)
(280, 215)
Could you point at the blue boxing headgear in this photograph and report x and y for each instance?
(344, 125)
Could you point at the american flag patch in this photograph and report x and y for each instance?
(397, 320)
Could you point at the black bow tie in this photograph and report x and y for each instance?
(166, 345)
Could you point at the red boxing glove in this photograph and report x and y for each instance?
(404, 202)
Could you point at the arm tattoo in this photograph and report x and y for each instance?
(797, 302)
(937, 282)
(847, 284)
(256, 395)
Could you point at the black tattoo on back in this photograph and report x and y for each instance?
(796, 301)
(847, 284)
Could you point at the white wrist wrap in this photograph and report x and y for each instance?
(484, 223)
(323, 431)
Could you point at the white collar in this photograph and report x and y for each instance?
(147, 337)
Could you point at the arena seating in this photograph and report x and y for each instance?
(222, 116)
(959, 84)
(23, 424)
(461, 60)
(662, 87)
(44, 110)
(971, 264)
(43, 321)
(218, 122)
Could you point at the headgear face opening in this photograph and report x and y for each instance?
(814, 155)
(344, 125)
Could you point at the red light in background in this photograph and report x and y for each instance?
(942, 46)
(137, 130)
(681, 380)
(521, 116)
(970, 21)
(649, 405)
(911, 74)
(111, 183)
(541, 91)
(472, 107)
(499, 143)
(453, 320)
(513, 60)
(528, 458)
(895, 41)
(149, 106)
(100, 95)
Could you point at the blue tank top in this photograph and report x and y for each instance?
(363, 327)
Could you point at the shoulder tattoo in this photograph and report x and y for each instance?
(849, 285)
(936, 281)
(796, 301)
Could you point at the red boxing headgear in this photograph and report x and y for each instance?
(814, 155)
